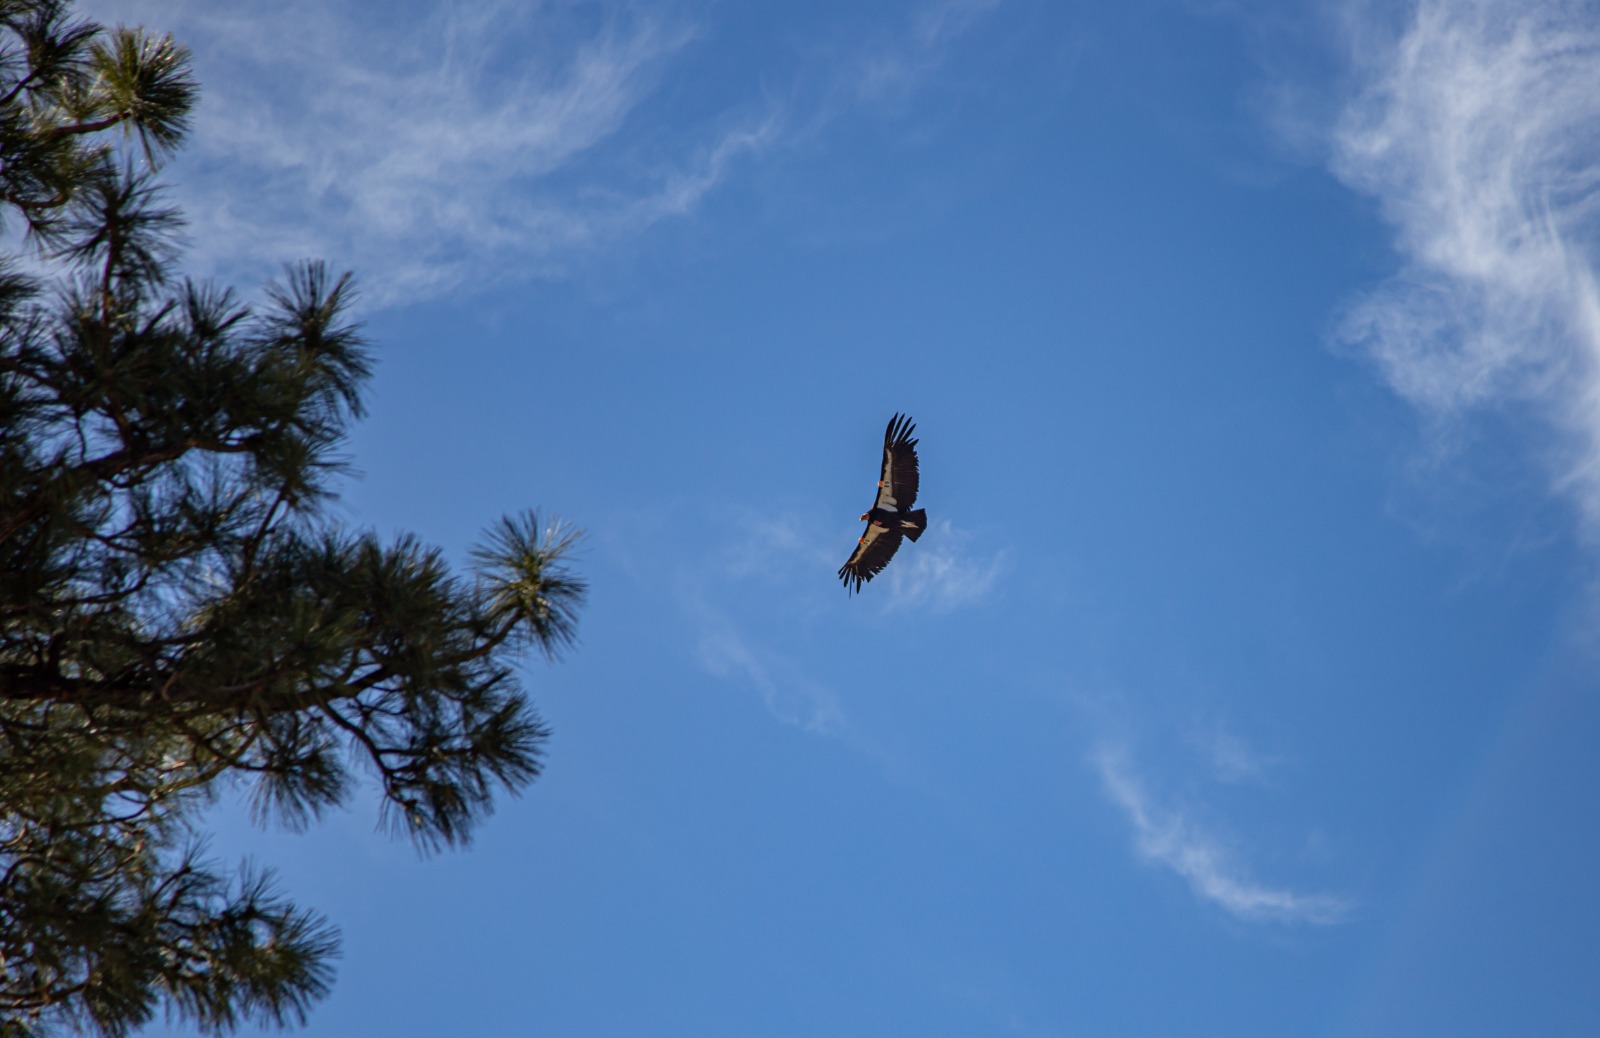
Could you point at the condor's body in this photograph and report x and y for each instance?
(912, 523)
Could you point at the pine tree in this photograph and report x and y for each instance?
(179, 614)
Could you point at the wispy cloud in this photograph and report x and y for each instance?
(1478, 133)
(789, 695)
(946, 569)
(781, 547)
(1231, 759)
(1172, 839)
(891, 72)
(775, 559)
(787, 564)
(464, 144)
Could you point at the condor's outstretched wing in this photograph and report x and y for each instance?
(897, 487)
(873, 552)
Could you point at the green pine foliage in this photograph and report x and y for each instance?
(178, 613)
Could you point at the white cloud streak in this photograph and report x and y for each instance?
(790, 561)
(777, 552)
(894, 72)
(780, 548)
(1478, 133)
(789, 696)
(461, 145)
(1173, 840)
(1231, 759)
(446, 145)
(943, 571)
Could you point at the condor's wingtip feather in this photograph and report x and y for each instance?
(899, 431)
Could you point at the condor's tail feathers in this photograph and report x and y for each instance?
(913, 523)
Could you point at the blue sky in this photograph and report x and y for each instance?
(1244, 682)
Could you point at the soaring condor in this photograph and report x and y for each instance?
(891, 517)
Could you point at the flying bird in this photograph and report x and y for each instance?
(891, 516)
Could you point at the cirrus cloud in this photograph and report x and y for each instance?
(1477, 132)
(1171, 838)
